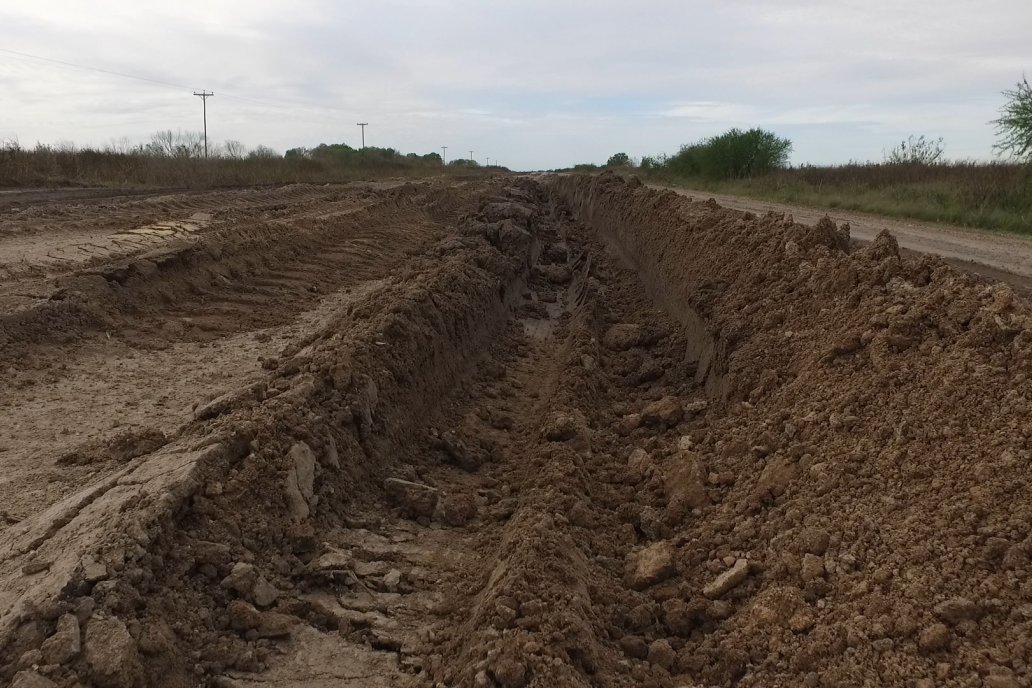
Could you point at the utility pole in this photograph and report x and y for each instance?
(444, 154)
(363, 125)
(204, 95)
(471, 157)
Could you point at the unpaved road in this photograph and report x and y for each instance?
(996, 255)
(563, 431)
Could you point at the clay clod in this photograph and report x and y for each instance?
(728, 580)
(622, 337)
(666, 411)
(300, 481)
(651, 565)
(65, 643)
(111, 654)
(415, 499)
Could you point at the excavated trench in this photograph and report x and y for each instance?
(589, 434)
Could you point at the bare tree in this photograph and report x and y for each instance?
(162, 143)
(122, 145)
(179, 144)
(234, 149)
(189, 144)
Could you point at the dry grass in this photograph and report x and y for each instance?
(991, 196)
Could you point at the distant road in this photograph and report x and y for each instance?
(1005, 257)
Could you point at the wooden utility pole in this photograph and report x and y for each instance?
(204, 95)
(444, 154)
(363, 125)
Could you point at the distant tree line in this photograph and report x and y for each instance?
(345, 155)
(177, 158)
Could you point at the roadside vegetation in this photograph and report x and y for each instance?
(177, 159)
(914, 179)
(994, 196)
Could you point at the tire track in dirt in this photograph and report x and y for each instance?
(49, 239)
(177, 330)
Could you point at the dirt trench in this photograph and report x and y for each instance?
(581, 433)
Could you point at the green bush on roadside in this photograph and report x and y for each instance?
(732, 155)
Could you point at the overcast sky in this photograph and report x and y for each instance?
(534, 84)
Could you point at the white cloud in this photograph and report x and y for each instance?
(534, 83)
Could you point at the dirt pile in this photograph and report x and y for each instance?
(868, 461)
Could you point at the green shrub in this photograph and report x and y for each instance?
(732, 155)
(916, 150)
(619, 160)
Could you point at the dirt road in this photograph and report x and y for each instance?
(563, 431)
(996, 255)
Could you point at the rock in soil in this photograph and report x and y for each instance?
(29, 678)
(300, 482)
(651, 565)
(728, 580)
(667, 411)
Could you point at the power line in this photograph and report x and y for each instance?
(86, 68)
(281, 103)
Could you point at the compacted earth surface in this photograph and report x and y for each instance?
(553, 431)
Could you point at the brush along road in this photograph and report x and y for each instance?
(565, 431)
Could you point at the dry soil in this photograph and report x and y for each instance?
(557, 431)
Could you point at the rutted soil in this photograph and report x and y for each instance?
(553, 432)
(132, 345)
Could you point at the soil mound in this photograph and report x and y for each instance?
(869, 457)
